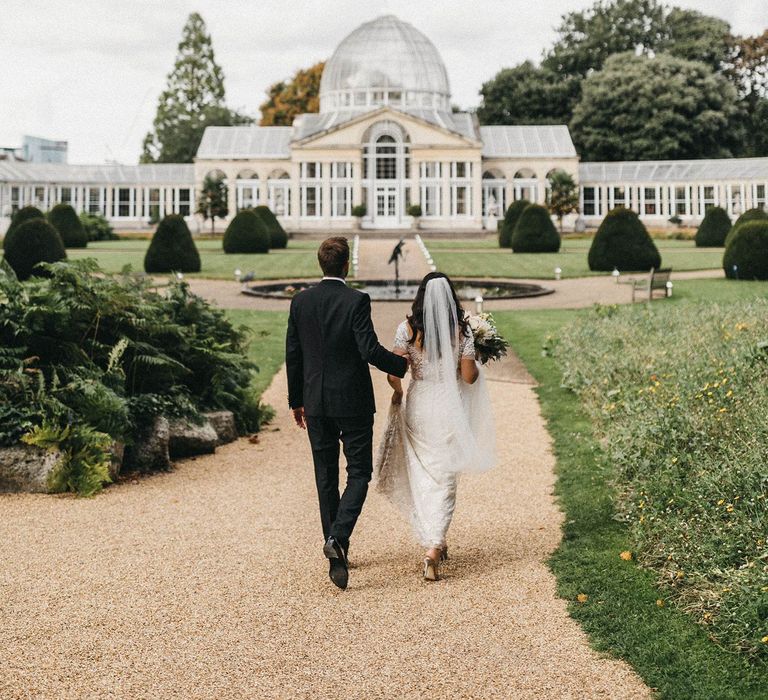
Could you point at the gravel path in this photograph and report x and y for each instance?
(209, 582)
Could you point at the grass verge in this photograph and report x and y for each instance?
(267, 348)
(621, 614)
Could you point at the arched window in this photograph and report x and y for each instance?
(525, 185)
(247, 189)
(386, 171)
(494, 195)
(279, 192)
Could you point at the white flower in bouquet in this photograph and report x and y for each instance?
(489, 345)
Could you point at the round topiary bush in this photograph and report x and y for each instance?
(511, 216)
(746, 255)
(756, 214)
(713, 229)
(246, 233)
(535, 232)
(172, 248)
(278, 238)
(66, 221)
(22, 215)
(32, 242)
(622, 241)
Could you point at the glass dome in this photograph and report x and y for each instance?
(385, 61)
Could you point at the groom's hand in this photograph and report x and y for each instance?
(298, 416)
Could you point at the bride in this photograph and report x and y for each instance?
(446, 426)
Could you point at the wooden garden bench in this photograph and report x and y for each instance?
(656, 280)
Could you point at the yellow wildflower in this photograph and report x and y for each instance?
(721, 501)
(626, 555)
(764, 640)
(680, 574)
(660, 603)
(582, 597)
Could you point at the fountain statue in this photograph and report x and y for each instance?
(397, 253)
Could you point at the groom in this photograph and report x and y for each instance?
(329, 345)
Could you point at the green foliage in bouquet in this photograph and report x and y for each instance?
(489, 344)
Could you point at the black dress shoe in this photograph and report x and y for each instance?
(338, 571)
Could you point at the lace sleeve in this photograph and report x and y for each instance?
(468, 346)
(401, 336)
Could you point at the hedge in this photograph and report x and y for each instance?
(66, 221)
(622, 242)
(32, 242)
(747, 252)
(246, 233)
(278, 238)
(534, 232)
(713, 229)
(511, 216)
(172, 248)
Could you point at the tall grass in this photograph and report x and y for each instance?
(678, 399)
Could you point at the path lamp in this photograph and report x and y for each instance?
(616, 274)
(735, 272)
(558, 273)
(478, 304)
(669, 289)
(238, 274)
(179, 276)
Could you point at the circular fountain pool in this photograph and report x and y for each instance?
(386, 290)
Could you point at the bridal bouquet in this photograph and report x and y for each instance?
(489, 345)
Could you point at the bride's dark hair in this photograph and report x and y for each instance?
(416, 319)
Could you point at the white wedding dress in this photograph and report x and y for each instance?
(444, 428)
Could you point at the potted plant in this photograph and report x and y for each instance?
(414, 211)
(359, 211)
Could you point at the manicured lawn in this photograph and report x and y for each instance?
(298, 260)
(482, 257)
(621, 616)
(267, 348)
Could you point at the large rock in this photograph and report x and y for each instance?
(150, 451)
(26, 468)
(188, 439)
(223, 423)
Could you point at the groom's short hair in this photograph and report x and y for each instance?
(333, 256)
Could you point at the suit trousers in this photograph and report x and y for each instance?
(338, 514)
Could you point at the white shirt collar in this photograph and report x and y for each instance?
(335, 279)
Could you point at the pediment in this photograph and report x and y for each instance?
(352, 131)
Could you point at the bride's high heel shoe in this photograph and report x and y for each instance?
(431, 570)
(444, 554)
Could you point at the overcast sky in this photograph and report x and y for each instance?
(90, 71)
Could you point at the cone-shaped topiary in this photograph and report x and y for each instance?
(66, 221)
(511, 216)
(622, 241)
(535, 232)
(32, 242)
(756, 214)
(713, 228)
(172, 248)
(746, 255)
(22, 215)
(278, 238)
(246, 233)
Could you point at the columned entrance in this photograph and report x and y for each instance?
(386, 176)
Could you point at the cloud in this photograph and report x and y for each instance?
(91, 71)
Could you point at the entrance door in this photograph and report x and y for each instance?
(386, 205)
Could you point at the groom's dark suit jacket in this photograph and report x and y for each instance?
(329, 345)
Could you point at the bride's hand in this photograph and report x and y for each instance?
(397, 398)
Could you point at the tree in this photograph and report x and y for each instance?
(641, 108)
(290, 98)
(564, 195)
(748, 69)
(526, 94)
(212, 202)
(586, 39)
(192, 100)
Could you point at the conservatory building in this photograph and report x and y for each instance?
(386, 138)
